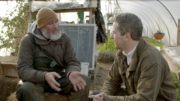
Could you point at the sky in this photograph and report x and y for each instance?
(5, 8)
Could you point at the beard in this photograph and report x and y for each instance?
(51, 35)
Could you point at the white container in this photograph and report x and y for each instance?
(85, 68)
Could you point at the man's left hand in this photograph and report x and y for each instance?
(77, 80)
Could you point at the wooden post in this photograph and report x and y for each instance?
(1, 69)
(178, 33)
(92, 3)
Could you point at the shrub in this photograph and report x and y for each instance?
(177, 84)
(153, 42)
(106, 57)
(106, 51)
(108, 46)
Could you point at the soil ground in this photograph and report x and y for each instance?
(100, 74)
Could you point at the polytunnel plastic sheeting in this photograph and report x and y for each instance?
(155, 17)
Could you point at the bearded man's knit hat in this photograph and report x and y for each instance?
(44, 16)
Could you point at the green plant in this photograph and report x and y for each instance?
(16, 27)
(108, 45)
(153, 42)
(177, 84)
(106, 57)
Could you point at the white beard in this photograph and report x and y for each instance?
(51, 36)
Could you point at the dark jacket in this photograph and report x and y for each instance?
(60, 50)
(148, 77)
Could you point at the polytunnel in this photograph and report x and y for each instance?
(156, 16)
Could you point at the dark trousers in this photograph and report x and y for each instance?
(35, 92)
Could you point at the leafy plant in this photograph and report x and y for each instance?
(153, 42)
(177, 84)
(106, 50)
(108, 45)
(15, 27)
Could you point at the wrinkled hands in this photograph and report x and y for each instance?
(77, 80)
(51, 77)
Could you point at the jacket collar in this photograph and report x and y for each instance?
(142, 45)
(139, 50)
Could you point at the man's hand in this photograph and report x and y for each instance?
(98, 97)
(77, 81)
(50, 77)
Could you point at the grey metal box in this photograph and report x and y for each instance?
(83, 38)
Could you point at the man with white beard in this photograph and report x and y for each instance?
(47, 62)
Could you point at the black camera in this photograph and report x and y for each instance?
(65, 85)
